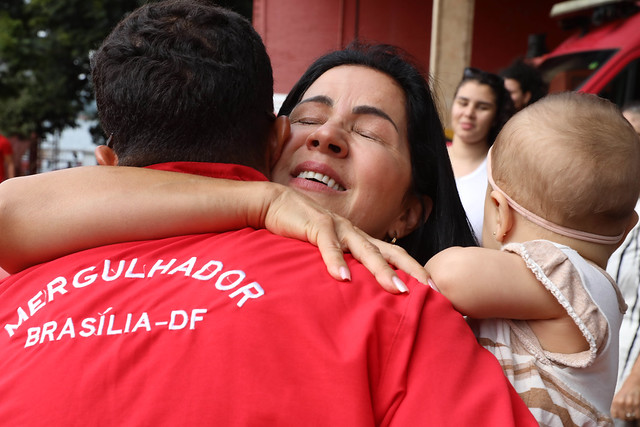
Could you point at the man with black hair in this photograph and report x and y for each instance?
(524, 83)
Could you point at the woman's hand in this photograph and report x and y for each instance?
(626, 402)
(294, 215)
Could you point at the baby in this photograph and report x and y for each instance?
(564, 177)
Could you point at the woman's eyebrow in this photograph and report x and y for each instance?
(368, 109)
(322, 99)
(361, 109)
(489, 104)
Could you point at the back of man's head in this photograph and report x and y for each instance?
(183, 80)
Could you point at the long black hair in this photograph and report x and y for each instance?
(431, 171)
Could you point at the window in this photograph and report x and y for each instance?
(569, 72)
(625, 86)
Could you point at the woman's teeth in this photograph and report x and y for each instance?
(315, 176)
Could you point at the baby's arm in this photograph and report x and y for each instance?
(485, 283)
(49, 215)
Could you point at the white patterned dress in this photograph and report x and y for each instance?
(562, 389)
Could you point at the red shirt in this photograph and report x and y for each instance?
(5, 150)
(238, 328)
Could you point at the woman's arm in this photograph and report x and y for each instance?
(49, 215)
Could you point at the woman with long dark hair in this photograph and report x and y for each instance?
(481, 106)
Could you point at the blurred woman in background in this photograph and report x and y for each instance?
(481, 106)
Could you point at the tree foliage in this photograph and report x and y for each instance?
(44, 58)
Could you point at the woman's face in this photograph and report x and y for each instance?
(473, 112)
(348, 148)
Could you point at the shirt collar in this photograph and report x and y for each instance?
(213, 170)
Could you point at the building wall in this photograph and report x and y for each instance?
(502, 27)
(298, 31)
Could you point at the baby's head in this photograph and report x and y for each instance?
(572, 159)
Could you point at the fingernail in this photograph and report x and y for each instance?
(433, 285)
(345, 274)
(399, 284)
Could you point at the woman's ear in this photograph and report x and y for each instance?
(281, 133)
(413, 215)
(105, 156)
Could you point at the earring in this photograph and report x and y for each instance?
(395, 236)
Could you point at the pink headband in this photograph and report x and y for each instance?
(565, 231)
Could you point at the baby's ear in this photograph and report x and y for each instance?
(105, 156)
(504, 216)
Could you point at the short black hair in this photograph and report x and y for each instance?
(184, 80)
(432, 175)
(528, 77)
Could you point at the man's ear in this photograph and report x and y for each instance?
(105, 156)
(281, 133)
(411, 217)
(504, 216)
(526, 97)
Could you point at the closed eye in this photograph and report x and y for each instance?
(367, 134)
(307, 121)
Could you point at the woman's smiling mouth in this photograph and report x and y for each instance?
(318, 177)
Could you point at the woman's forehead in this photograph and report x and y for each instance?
(358, 85)
(472, 89)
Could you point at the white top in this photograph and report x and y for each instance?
(578, 386)
(472, 189)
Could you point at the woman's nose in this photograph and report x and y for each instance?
(470, 111)
(329, 139)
